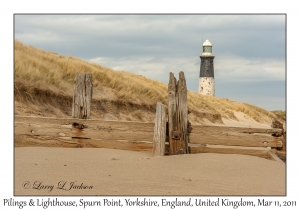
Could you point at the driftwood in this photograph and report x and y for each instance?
(82, 96)
(160, 127)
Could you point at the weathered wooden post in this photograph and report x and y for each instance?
(177, 113)
(160, 130)
(284, 136)
(82, 96)
(173, 134)
(182, 112)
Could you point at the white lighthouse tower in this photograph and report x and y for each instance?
(206, 79)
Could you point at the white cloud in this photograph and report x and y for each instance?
(150, 67)
(171, 26)
(249, 69)
(42, 37)
(226, 68)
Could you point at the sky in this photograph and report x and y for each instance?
(250, 50)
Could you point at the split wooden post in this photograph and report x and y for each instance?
(182, 112)
(82, 96)
(173, 145)
(177, 113)
(160, 130)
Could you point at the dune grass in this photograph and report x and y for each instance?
(281, 114)
(51, 70)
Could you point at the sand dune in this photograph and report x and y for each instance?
(99, 171)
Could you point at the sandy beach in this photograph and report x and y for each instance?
(100, 171)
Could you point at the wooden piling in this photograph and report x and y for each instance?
(284, 136)
(182, 112)
(160, 130)
(173, 147)
(177, 114)
(82, 96)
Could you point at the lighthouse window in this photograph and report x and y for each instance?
(207, 49)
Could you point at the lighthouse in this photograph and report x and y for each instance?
(206, 79)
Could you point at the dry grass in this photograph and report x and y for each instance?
(48, 70)
(280, 114)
